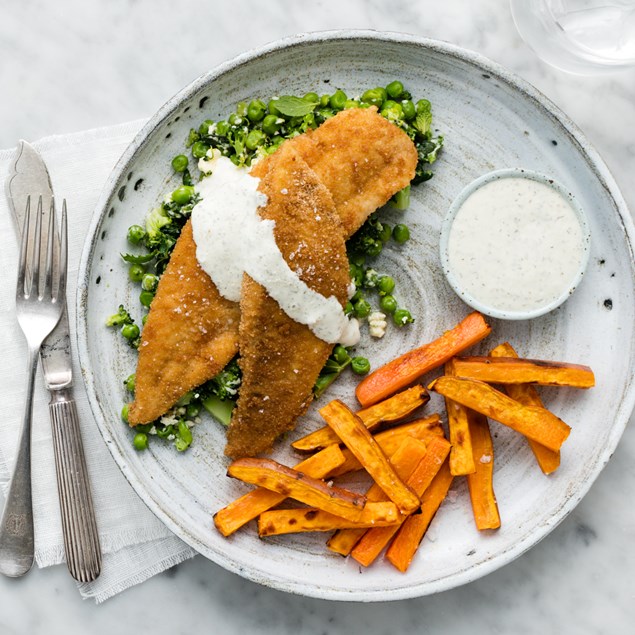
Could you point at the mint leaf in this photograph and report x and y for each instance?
(138, 259)
(291, 106)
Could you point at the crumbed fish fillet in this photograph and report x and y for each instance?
(280, 359)
(360, 158)
(190, 334)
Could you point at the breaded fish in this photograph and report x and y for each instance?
(190, 335)
(280, 359)
(360, 158)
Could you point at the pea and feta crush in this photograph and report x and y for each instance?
(252, 131)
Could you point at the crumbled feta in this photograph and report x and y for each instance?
(486, 458)
(377, 324)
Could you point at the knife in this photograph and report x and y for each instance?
(28, 175)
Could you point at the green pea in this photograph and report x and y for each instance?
(350, 103)
(130, 331)
(374, 249)
(340, 354)
(165, 431)
(149, 282)
(271, 107)
(130, 382)
(136, 234)
(144, 319)
(325, 100)
(360, 365)
(388, 304)
(385, 233)
(234, 119)
(314, 98)
(199, 150)
(146, 427)
(392, 110)
(270, 124)
(146, 297)
(358, 295)
(256, 110)
(140, 441)
(136, 272)
(203, 129)
(386, 285)
(409, 110)
(400, 233)
(423, 106)
(179, 163)
(222, 128)
(357, 259)
(374, 97)
(254, 139)
(241, 108)
(394, 89)
(338, 99)
(401, 317)
(361, 308)
(124, 412)
(183, 195)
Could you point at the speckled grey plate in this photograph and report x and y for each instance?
(490, 119)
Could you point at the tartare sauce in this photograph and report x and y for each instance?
(515, 245)
(232, 239)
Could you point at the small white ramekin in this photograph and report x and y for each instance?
(449, 220)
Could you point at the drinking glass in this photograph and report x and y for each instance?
(586, 37)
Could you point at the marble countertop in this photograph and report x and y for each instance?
(72, 65)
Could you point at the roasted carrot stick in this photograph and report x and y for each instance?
(536, 423)
(403, 370)
(410, 534)
(240, 511)
(293, 484)
(480, 483)
(548, 460)
(374, 540)
(392, 409)
(461, 457)
(405, 459)
(512, 370)
(360, 442)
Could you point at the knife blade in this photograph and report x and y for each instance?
(29, 176)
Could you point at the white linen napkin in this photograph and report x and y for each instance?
(135, 544)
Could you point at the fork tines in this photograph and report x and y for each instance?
(56, 255)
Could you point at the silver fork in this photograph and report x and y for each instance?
(40, 301)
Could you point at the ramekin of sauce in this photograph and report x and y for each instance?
(515, 244)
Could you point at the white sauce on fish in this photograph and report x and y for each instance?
(232, 239)
(516, 244)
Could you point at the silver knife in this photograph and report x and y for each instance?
(29, 176)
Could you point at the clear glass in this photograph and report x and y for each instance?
(586, 37)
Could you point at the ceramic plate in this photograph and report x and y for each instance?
(490, 120)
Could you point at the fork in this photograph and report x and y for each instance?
(40, 301)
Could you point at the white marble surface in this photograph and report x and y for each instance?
(71, 65)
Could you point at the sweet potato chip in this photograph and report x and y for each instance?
(293, 521)
(359, 441)
(240, 511)
(293, 484)
(461, 458)
(392, 409)
(512, 370)
(548, 460)
(534, 422)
